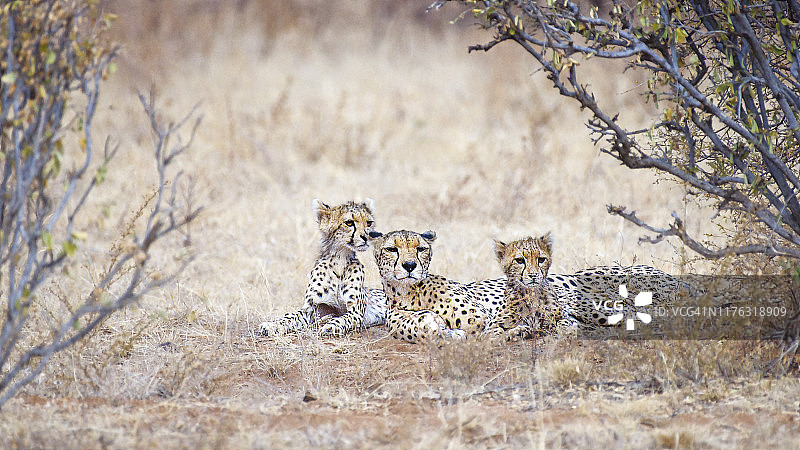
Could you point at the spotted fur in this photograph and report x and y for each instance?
(335, 295)
(421, 305)
(592, 286)
(536, 303)
(528, 309)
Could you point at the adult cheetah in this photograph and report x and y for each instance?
(422, 305)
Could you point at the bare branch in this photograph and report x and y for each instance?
(729, 128)
(677, 229)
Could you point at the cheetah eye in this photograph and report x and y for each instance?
(370, 223)
(519, 260)
(542, 260)
(349, 223)
(391, 249)
(422, 249)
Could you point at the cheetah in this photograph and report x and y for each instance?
(536, 303)
(594, 286)
(335, 295)
(529, 307)
(527, 302)
(421, 305)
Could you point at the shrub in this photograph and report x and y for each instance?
(53, 59)
(725, 76)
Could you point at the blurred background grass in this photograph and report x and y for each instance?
(345, 100)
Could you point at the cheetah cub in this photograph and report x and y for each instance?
(529, 307)
(335, 295)
(536, 303)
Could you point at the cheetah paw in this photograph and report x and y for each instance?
(272, 328)
(454, 334)
(518, 333)
(331, 329)
(494, 333)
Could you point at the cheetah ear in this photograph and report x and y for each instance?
(499, 248)
(376, 240)
(429, 235)
(321, 210)
(370, 204)
(546, 241)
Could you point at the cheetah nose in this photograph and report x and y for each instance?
(409, 266)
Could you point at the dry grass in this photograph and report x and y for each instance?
(305, 100)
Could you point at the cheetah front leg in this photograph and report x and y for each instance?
(350, 321)
(353, 296)
(521, 331)
(416, 326)
(289, 322)
(506, 324)
(515, 333)
(375, 313)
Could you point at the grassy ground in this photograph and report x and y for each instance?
(304, 100)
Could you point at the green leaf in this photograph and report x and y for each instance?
(53, 166)
(79, 235)
(47, 240)
(51, 58)
(109, 18)
(69, 248)
(9, 78)
(100, 176)
(680, 35)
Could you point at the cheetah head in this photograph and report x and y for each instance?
(403, 256)
(526, 261)
(346, 225)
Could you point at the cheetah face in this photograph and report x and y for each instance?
(403, 256)
(526, 261)
(346, 225)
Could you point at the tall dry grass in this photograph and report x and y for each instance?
(305, 99)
